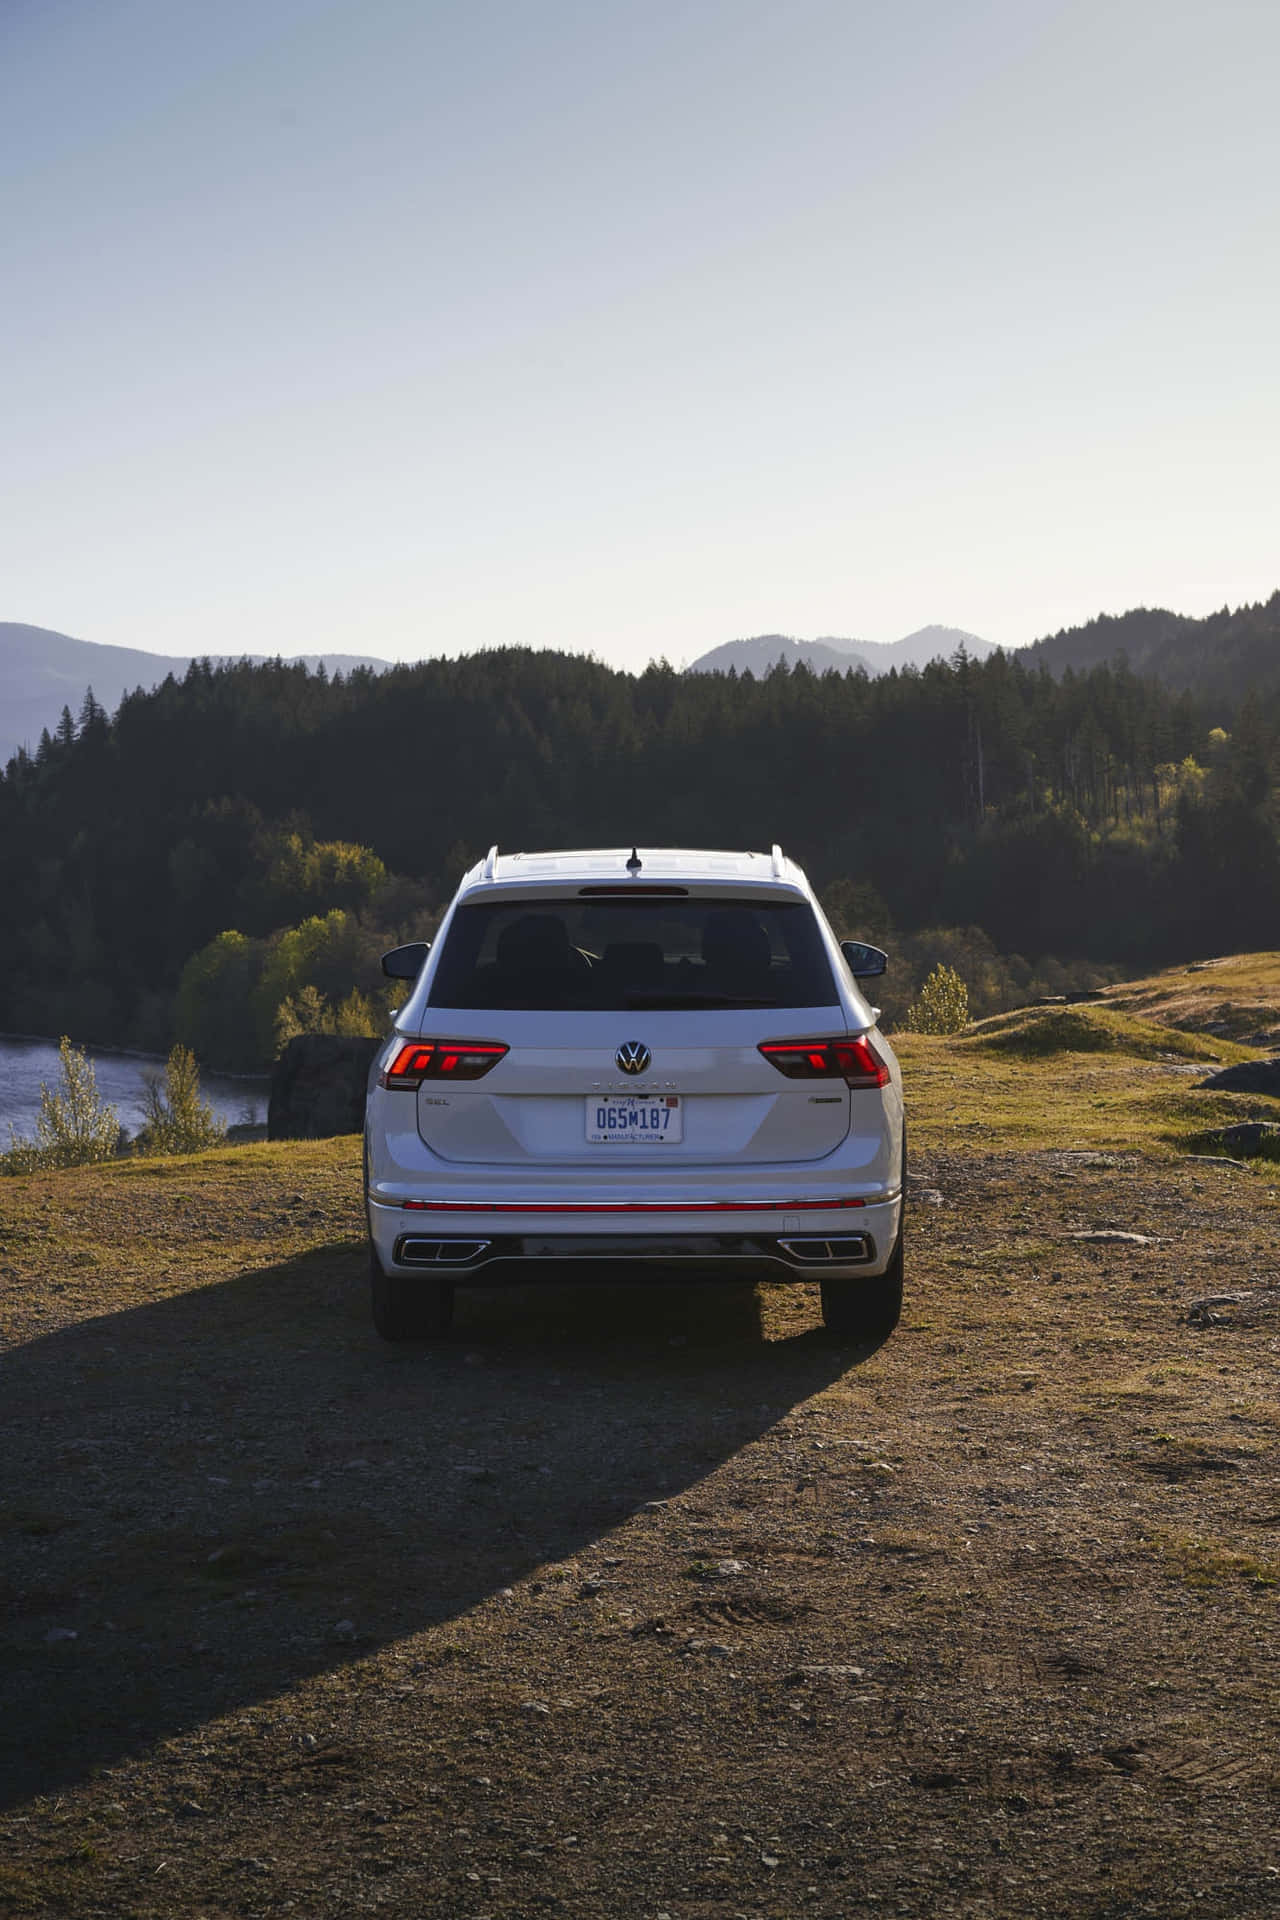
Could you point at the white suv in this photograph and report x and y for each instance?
(641, 1063)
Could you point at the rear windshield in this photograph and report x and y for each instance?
(614, 954)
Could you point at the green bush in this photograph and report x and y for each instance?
(943, 1006)
(307, 1011)
(211, 1013)
(74, 1127)
(178, 1120)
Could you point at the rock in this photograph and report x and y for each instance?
(318, 1086)
(1247, 1076)
(1111, 1237)
(1254, 1139)
(1255, 1305)
(925, 1197)
(798, 1675)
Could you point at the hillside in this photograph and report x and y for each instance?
(246, 832)
(42, 671)
(917, 649)
(1220, 657)
(641, 1601)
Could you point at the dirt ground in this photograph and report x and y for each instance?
(643, 1603)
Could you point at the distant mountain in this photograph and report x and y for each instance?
(767, 649)
(41, 672)
(924, 645)
(1222, 655)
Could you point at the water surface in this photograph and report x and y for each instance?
(24, 1064)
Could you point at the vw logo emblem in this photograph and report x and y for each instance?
(633, 1056)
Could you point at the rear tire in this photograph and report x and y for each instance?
(414, 1309)
(865, 1309)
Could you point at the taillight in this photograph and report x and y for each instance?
(420, 1060)
(855, 1060)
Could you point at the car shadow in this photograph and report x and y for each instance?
(211, 1497)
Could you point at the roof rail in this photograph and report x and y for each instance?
(491, 862)
(776, 857)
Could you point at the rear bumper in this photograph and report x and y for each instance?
(494, 1244)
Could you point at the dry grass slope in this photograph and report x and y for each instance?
(628, 1603)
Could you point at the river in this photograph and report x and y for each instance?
(24, 1064)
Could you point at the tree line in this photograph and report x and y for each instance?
(229, 853)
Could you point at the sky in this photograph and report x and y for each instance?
(402, 328)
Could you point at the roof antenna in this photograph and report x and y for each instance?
(634, 864)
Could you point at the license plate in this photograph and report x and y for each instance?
(634, 1119)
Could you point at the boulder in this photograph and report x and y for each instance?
(318, 1086)
(1251, 1139)
(1248, 1076)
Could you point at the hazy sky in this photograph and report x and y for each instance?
(409, 328)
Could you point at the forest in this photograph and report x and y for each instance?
(1222, 655)
(223, 860)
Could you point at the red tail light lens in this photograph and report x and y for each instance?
(855, 1061)
(420, 1060)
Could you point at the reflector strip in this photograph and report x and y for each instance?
(629, 1206)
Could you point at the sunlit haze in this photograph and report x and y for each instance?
(406, 329)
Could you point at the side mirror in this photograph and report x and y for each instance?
(864, 962)
(405, 963)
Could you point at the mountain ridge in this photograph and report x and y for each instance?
(1221, 654)
(760, 652)
(42, 671)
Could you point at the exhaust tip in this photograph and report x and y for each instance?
(416, 1251)
(839, 1250)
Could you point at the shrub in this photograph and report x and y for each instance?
(74, 1127)
(308, 1011)
(943, 1006)
(178, 1120)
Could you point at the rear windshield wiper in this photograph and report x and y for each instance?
(651, 1002)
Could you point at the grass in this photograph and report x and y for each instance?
(316, 1583)
(1202, 1565)
(961, 1091)
(1239, 992)
(1034, 1033)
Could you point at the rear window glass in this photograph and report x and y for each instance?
(615, 954)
